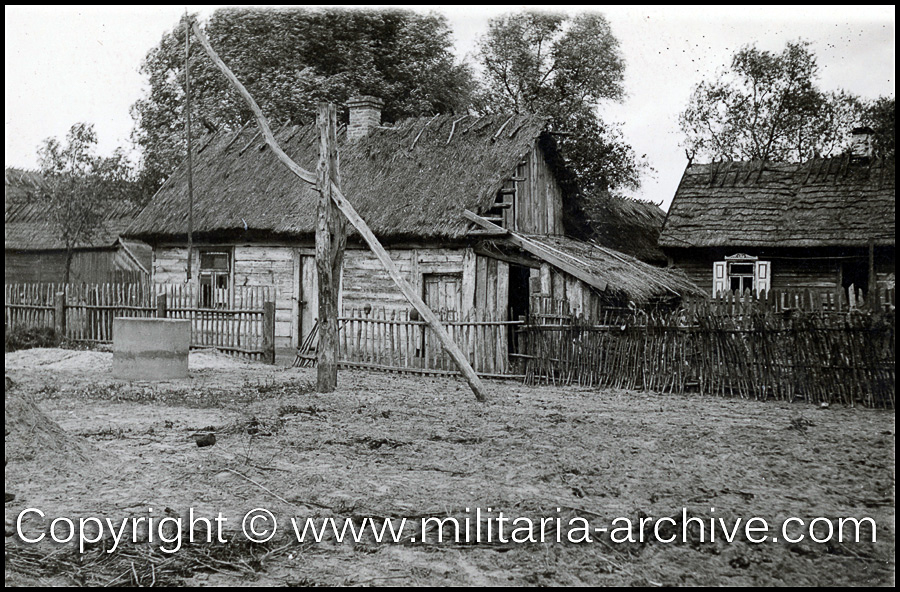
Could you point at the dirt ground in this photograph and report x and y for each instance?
(388, 445)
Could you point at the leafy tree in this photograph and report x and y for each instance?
(289, 60)
(879, 115)
(563, 67)
(80, 187)
(767, 106)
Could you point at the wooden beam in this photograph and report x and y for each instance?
(331, 238)
(520, 260)
(358, 223)
(872, 296)
(542, 252)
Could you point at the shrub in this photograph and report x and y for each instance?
(22, 338)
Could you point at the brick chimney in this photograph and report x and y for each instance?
(861, 142)
(365, 114)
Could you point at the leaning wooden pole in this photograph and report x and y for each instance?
(330, 243)
(358, 223)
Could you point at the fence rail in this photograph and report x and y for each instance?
(729, 347)
(243, 324)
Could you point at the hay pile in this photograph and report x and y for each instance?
(31, 435)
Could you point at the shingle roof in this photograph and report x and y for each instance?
(822, 202)
(411, 180)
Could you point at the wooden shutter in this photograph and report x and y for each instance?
(720, 279)
(763, 276)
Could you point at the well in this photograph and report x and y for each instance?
(150, 349)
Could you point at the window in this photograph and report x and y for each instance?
(215, 277)
(740, 273)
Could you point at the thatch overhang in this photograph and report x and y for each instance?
(621, 277)
(834, 202)
(627, 225)
(28, 226)
(408, 181)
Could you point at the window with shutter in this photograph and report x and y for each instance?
(719, 280)
(763, 276)
(740, 273)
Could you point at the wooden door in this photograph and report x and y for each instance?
(308, 301)
(442, 293)
(308, 308)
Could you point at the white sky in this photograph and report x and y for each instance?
(70, 64)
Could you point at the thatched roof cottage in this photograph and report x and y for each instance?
(254, 222)
(628, 225)
(818, 225)
(35, 253)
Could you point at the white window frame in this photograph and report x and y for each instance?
(762, 273)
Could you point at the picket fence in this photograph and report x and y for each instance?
(242, 323)
(397, 341)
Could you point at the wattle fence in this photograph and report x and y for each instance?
(784, 345)
(242, 324)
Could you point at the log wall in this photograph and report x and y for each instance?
(290, 270)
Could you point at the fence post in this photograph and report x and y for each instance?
(59, 316)
(161, 306)
(269, 332)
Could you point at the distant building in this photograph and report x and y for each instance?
(818, 225)
(630, 226)
(35, 253)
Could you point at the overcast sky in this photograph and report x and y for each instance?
(70, 64)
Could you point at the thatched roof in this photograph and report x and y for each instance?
(413, 180)
(822, 202)
(627, 278)
(627, 225)
(28, 226)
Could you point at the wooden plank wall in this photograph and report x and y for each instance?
(170, 263)
(91, 267)
(291, 271)
(538, 197)
(551, 283)
(269, 266)
(787, 274)
(491, 294)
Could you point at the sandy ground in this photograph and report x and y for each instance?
(397, 446)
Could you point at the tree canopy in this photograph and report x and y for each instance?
(768, 106)
(79, 187)
(289, 60)
(563, 67)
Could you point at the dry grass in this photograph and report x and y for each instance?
(386, 445)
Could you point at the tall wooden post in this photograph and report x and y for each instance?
(872, 296)
(59, 314)
(330, 243)
(187, 132)
(161, 306)
(269, 332)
